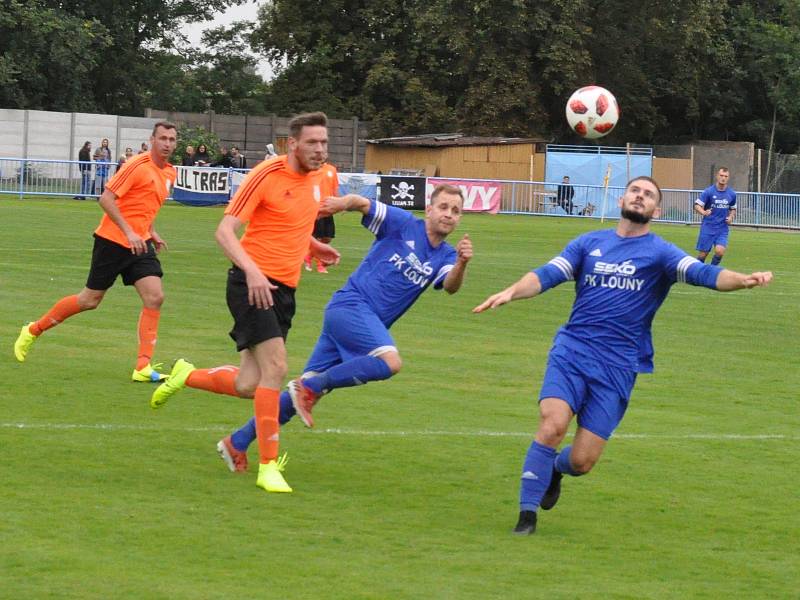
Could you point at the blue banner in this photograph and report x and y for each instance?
(202, 186)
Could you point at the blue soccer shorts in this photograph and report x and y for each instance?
(350, 329)
(596, 392)
(708, 239)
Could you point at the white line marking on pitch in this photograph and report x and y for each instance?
(411, 433)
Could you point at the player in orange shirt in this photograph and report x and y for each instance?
(279, 201)
(125, 244)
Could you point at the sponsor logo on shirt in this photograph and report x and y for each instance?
(614, 276)
(413, 269)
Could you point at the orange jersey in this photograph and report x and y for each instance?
(280, 207)
(141, 188)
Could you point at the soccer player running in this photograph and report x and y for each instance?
(355, 346)
(622, 276)
(717, 205)
(279, 201)
(125, 244)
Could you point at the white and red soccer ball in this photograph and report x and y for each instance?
(592, 112)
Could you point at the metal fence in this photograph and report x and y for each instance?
(27, 177)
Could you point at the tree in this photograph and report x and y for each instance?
(47, 57)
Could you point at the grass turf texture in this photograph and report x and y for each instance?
(408, 488)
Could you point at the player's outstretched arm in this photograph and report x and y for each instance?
(336, 204)
(527, 287)
(325, 253)
(729, 281)
(452, 283)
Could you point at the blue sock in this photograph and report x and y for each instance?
(242, 438)
(563, 465)
(357, 371)
(536, 474)
(716, 260)
(246, 435)
(287, 408)
(702, 259)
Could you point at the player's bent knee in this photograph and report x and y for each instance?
(246, 389)
(550, 433)
(583, 465)
(89, 301)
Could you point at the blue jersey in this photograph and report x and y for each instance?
(720, 203)
(399, 266)
(620, 282)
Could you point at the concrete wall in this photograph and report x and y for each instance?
(709, 156)
(706, 157)
(59, 136)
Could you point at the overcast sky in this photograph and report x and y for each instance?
(244, 12)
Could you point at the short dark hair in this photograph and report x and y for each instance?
(726, 169)
(314, 119)
(446, 188)
(646, 178)
(165, 125)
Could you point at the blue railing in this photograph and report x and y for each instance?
(29, 177)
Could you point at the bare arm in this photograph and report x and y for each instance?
(351, 202)
(259, 288)
(454, 279)
(698, 208)
(108, 202)
(527, 287)
(729, 281)
(325, 253)
(731, 216)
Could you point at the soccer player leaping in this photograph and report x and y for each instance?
(125, 244)
(355, 346)
(622, 276)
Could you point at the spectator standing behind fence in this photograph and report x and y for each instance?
(565, 194)
(143, 148)
(224, 159)
(238, 160)
(102, 156)
(85, 167)
(717, 204)
(189, 157)
(201, 157)
(125, 158)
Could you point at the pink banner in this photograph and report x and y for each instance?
(479, 196)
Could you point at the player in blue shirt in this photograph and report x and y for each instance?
(621, 278)
(717, 204)
(355, 347)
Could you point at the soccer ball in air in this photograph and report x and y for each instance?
(592, 112)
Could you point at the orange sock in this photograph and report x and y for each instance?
(267, 408)
(63, 309)
(220, 380)
(148, 332)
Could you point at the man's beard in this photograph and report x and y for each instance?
(635, 216)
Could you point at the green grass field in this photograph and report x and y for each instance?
(406, 488)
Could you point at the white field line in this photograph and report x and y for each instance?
(396, 433)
